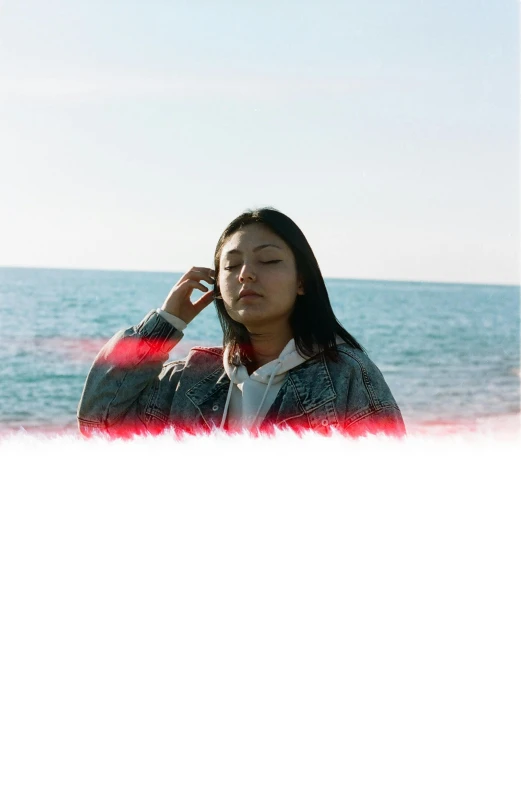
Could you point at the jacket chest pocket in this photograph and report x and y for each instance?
(321, 420)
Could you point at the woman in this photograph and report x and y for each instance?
(286, 362)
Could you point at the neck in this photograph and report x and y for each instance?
(267, 345)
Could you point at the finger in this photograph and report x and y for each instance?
(193, 271)
(190, 285)
(192, 275)
(198, 275)
(203, 301)
(204, 270)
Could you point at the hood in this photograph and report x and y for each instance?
(250, 395)
(254, 392)
(288, 358)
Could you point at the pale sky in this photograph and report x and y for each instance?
(132, 132)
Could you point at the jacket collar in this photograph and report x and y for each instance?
(305, 388)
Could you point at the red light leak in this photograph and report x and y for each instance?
(127, 352)
(135, 348)
(84, 349)
(511, 425)
(180, 428)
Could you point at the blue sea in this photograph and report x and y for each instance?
(449, 352)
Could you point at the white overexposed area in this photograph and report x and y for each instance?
(225, 609)
(131, 133)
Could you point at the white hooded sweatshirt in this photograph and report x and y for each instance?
(250, 396)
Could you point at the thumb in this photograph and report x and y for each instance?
(203, 301)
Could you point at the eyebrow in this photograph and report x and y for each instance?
(257, 248)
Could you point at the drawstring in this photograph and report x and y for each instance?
(275, 369)
(226, 405)
(230, 388)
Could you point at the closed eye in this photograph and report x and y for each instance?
(268, 261)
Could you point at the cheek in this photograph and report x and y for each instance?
(224, 288)
(287, 288)
(222, 282)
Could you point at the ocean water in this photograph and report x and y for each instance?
(449, 352)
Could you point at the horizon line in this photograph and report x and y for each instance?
(326, 277)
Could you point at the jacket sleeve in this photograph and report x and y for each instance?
(370, 405)
(120, 381)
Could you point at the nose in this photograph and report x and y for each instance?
(246, 273)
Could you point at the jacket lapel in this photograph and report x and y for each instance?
(209, 397)
(307, 388)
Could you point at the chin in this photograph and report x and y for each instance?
(235, 315)
(246, 314)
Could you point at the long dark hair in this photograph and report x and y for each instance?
(313, 322)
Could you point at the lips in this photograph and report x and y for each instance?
(248, 293)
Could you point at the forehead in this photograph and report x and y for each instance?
(250, 236)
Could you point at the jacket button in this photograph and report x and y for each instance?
(325, 422)
(215, 407)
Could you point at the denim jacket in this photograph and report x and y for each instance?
(130, 390)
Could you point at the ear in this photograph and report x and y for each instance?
(300, 287)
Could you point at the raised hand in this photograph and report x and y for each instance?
(178, 302)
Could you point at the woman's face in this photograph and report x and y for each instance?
(258, 277)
